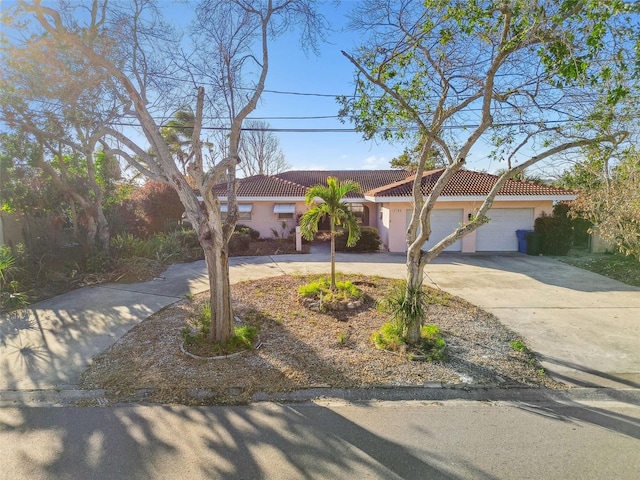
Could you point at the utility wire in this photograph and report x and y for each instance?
(345, 130)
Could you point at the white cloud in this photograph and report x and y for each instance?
(373, 163)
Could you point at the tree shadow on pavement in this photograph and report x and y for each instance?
(260, 441)
(51, 343)
(568, 410)
(582, 376)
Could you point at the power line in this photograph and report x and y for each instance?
(348, 130)
(302, 94)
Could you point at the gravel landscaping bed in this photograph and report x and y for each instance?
(300, 349)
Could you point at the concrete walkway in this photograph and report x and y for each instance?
(584, 326)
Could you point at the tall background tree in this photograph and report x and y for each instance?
(530, 79)
(260, 150)
(150, 73)
(58, 105)
(25, 191)
(609, 198)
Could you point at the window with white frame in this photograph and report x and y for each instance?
(244, 211)
(284, 211)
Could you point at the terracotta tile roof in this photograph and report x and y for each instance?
(367, 179)
(295, 183)
(384, 183)
(467, 183)
(264, 186)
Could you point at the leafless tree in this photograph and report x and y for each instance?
(227, 65)
(260, 151)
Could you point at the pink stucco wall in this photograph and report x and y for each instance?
(263, 219)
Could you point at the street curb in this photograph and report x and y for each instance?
(52, 398)
(431, 392)
(480, 393)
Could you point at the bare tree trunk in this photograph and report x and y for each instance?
(92, 230)
(74, 218)
(415, 276)
(217, 261)
(104, 233)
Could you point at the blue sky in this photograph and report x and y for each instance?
(328, 74)
(331, 74)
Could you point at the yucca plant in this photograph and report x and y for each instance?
(408, 305)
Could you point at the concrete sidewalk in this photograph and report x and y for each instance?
(584, 326)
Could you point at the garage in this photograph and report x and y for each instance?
(499, 235)
(443, 223)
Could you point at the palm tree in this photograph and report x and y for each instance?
(338, 212)
(177, 132)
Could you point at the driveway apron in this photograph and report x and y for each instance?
(584, 326)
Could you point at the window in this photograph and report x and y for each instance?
(361, 212)
(284, 211)
(244, 211)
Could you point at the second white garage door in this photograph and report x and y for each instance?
(443, 222)
(499, 235)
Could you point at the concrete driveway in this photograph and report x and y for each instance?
(585, 327)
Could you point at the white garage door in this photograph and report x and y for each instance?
(443, 222)
(499, 235)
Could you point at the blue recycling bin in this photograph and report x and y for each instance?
(522, 240)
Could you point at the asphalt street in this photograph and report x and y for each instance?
(325, 440)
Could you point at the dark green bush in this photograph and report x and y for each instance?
(189, 239)
(253, 234)
(581, 233)
(556, 231)
(239, 242)
(369, 241)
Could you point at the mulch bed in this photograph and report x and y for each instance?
(299, 348)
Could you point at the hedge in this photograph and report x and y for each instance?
(369, 241)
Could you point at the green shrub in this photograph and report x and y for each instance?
(199, 328)
(200, 325)
(98, 261)
(10, 294)
(389, 337)
(239, 242)
(407, 306)
(243, 337)
(581, 231)
(322, 288)
(519, 346)
(189, 238)
(127, 245)
(369, 241)
(253, 234)
(556, 231)
(432, 346)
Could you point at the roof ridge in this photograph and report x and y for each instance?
(289, 182)
(343, 171)
(410, 178)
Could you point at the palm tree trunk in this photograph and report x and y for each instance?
(333, 253)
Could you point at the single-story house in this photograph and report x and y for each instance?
(386, 204)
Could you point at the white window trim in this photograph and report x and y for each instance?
(284, 208)
(242, 207)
